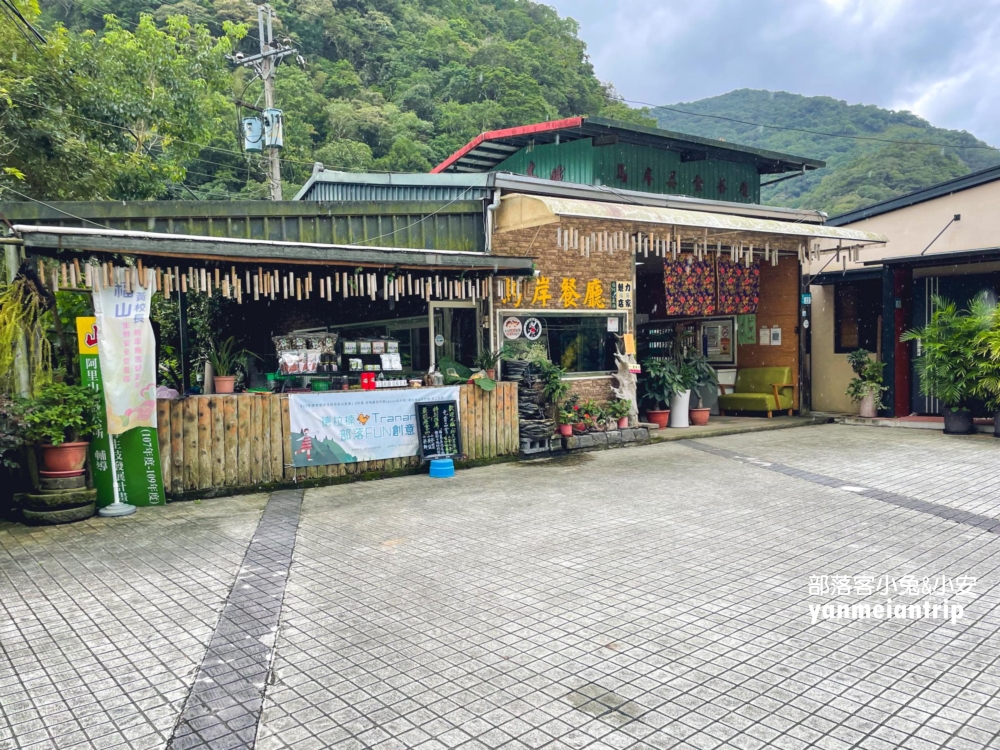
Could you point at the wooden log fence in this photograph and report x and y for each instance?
(242, 441)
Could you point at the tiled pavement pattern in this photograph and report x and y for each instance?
(986, 523)
(652, 597)
(223, 708)
(103, 623)
(922, 464)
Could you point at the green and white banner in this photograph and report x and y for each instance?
(343, 428)
(126, 373)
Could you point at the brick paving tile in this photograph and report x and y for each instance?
(103, 623)
(656, 597)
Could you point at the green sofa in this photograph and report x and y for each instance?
(767, 389)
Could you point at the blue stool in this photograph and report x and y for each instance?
(442, 468)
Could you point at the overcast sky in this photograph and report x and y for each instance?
(937, 58)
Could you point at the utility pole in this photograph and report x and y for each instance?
(264, 65)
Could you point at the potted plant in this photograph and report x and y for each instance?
(949, 364)
(487, 360)
(225, 359)
(593, 415)
(988, 343)
(659, 383)
(704, 375)
(56, 419)
(866, 387)
(618, 410)
(569, 416)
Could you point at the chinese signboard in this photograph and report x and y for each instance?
(342, 428)
(126, 352)
(568, 294)
(621, 296)
(437, 423)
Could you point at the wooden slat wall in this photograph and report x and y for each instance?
(242, 441)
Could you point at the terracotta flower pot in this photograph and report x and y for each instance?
(580, 427)
(699, 417)
(623, 423)
(224, 383)
(491, 373)
(67, 457)
(659, 417)
(566, 430)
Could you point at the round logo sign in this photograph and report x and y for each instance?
(512, 328)
(532, 329)
(439, 340)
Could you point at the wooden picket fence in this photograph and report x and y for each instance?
(242, 441)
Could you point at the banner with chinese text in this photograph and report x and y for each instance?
(127, 366)
(343, 428)
(90, 369)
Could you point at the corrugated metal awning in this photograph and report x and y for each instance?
(519, 211)
(229, 249)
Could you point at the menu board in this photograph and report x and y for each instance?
(438, 427)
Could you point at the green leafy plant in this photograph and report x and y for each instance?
(618, 408)
(988, 343)
(701, 373)
(554, 388)
(593, 414)
(227, 358)
(949, 364)
(487, 360)
(12, 431)
(569, 413)
(663, 378)
(868, 378)
(61, 413)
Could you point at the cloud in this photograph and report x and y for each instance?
(940, 60)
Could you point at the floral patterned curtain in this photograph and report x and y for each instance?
(690, 287)
(739, 287)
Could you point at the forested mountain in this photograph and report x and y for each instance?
(859, 172)
(143, 105)
(133, 99)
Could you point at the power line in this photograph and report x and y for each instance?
(47, 205)
(811, 132)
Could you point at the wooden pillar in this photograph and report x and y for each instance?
(185, 347)
(897, 304)
(903, 303)
(804, 329)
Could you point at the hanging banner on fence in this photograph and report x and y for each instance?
(344, 428)
(100, 449)
(126, 352)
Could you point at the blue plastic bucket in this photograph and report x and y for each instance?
(442, 468)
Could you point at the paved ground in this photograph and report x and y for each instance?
(650, 597)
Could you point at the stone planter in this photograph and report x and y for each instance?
(866, 407)
(679, 409)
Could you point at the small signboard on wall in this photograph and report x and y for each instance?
(765, 336)
(621, 295)
(775, 336)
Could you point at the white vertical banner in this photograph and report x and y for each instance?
(128, 356)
